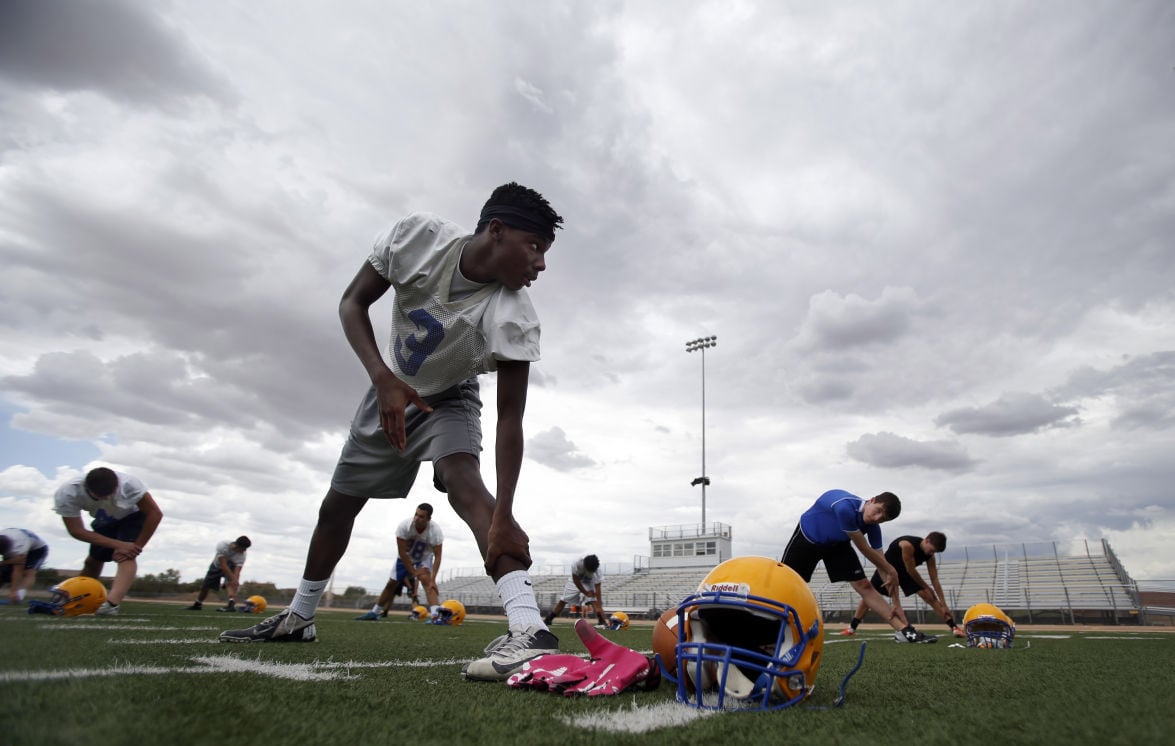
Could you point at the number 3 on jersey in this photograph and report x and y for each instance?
(419, 349)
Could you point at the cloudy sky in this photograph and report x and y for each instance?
(935, 246)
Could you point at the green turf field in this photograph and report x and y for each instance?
(156, 674)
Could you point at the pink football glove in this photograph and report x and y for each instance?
(611, 669)
(550, 673)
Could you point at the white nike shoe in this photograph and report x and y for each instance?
(285, 627)
(508, 657)
(106, 609)
(496, 643)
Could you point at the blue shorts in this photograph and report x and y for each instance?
(400, 573)
(123, 529)
(32, 561)
(401, 577)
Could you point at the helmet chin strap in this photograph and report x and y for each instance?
(840, 699)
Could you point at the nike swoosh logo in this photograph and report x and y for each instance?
(505, 668)
(316, 590)
(527, 582)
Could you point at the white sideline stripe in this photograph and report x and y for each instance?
(293, 671)
(420, 663)
(173, 641)
(856, 638)
(315, 671)
(105, 627)
(86, 619)
(1153, 637)
(640, 719)
(1045, 637)
(90, 673)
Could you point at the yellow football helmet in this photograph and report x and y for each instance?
(450, 612)
(254, 605)
(74, 597)
(618, 620)
(987, 626)
(418, 612)
(751, 637)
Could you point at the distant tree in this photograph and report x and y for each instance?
(170, 576)
(258, 588)
(48, 577)
(165, 582)
(169, 582)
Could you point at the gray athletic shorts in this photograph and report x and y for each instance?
(370, 467)
(572, 595)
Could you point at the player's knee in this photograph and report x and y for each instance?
(337, 507)
(459, 472)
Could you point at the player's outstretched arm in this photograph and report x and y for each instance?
(912, 568)
(402, 548)
(392, 394)
(17, 580)
(152, 517)
(888, 573)
(506, 537)
(437, 549)
(77, 529)
(932, 570)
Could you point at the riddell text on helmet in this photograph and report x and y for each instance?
(741, 589)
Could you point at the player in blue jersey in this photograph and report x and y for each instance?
(829, 530)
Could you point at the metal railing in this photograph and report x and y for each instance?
(1034, 582)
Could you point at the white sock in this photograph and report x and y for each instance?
(377, 609)
(306, 600)
(517, 594)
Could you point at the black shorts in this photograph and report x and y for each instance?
(905, 580)
(840, 559)
(124, 529)
(214, 577)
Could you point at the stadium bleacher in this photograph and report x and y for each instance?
(1040, 582)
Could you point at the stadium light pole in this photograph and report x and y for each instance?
(699, 345)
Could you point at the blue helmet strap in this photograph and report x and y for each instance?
(844, 684)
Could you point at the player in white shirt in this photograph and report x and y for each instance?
(24, 553)
(460, 310)
(419, 543)
(125, 517)
(225, 569)
(585, 586)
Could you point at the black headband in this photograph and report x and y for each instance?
(531, 221)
